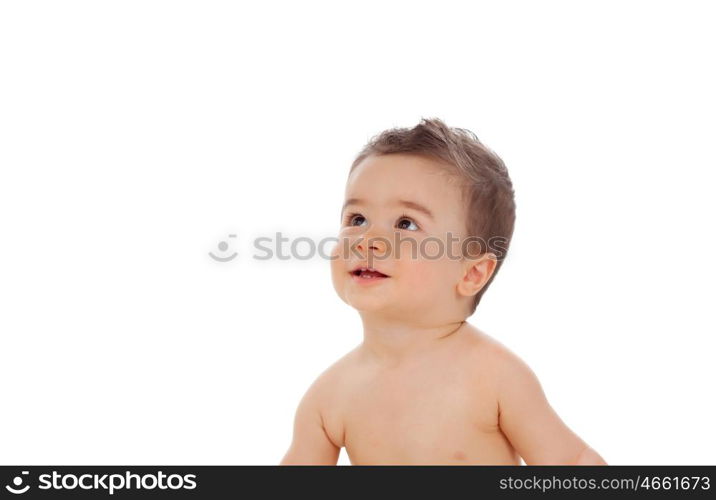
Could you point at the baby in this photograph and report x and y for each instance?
(426, 223)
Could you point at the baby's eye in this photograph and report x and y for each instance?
(351, 218)
(411, 225)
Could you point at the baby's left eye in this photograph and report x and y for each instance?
(411, 225)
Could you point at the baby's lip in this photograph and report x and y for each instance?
(356, 269)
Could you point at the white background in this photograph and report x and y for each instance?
(134, 136)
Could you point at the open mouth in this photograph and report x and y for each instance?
(368, 273)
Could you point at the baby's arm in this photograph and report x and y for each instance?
(529, 422)
(310, 445)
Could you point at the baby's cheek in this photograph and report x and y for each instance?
(430, 281)
(340, 250)
(432, 249)
(337, 260)
(338, 276)
(419, 276)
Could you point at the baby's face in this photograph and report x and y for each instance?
(391, 200)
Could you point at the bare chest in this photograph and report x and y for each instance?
(424, 416)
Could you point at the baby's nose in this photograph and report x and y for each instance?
(379, 244)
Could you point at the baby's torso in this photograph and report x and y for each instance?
(440, 410)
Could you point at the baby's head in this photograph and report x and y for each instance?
(431, 208)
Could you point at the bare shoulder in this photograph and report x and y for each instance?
(493, 358)
(316, 439)
(481, 346)
(327, 392)
(328, 381)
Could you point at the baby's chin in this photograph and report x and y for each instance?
(368, 303)
(380, 306)
(363, 303)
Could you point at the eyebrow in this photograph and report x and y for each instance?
(405, 203)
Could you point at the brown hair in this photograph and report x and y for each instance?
(487, 188)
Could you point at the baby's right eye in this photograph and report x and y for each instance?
(350, 219)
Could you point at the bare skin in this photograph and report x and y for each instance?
(438, 407)
(425, 386)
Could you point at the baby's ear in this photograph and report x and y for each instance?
(477, 272)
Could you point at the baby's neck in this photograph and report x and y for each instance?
(394, 342)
